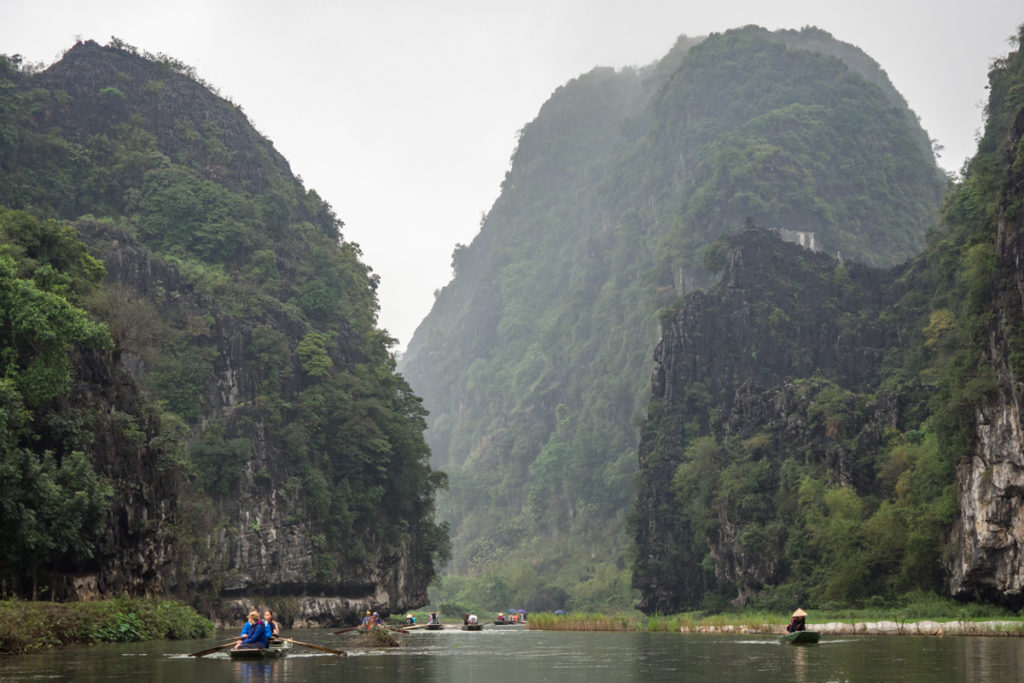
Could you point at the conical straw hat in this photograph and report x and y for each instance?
(799, 613)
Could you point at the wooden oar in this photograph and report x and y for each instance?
(396, 630)
(346, 630)
(332, 651)
(214, 649)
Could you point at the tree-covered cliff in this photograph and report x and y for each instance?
(229, 402)
(821, 432)
(534, 361)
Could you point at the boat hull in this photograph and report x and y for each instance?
(801, 637)
(435, 627)
(473, 627)
(274, 651)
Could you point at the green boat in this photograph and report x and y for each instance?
(275, 650)
(798, 637)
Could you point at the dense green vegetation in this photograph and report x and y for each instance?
(30, 626)
(52, 501)
(244, 318)
(536, 358)
(843, 492)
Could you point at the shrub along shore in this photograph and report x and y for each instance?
(29, 626)
(757, 622)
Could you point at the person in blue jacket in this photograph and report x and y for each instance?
(254, 633)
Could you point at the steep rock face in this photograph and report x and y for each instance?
(787, 414)
(725, 367)
(126, 452)
(986, 541)
(799, 296)
(256, 542)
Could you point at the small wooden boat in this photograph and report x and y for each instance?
(473, 627)
(435, 627)
(275, 650)
(800, 637)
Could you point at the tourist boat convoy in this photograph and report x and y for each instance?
(280, 646)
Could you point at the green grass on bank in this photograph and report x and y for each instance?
(911, 609)
(28, 626)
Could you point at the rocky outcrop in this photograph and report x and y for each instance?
(225, 554)
(728, 365)
(108, 85)
(987, 540)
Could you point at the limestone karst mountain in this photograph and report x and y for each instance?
(824, 432)
(243, 407)
(535, 360)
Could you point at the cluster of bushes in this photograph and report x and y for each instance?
(27, 626)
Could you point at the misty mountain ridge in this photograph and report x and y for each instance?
(534, 361)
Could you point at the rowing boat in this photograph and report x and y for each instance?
(473, 627)
(798, 637)
(275, 650)
(435, 627)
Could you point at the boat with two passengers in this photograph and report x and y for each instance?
(276, 650)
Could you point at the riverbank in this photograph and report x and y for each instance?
(30, 626)
(852, 622)
(882, 628)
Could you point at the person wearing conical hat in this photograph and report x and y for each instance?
(797, 621)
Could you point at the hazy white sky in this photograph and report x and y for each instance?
(403, 113)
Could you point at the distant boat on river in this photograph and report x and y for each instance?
(800, 637)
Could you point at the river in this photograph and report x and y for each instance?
(516, 654)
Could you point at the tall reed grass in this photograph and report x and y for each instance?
(690, 621)
(546, 621)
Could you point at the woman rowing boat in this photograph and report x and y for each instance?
(254, 634)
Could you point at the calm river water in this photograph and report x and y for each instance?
(515, 654)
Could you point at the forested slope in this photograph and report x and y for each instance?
(230, 403)
(823, 433)
(535, 360)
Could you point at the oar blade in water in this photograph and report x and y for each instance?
(203, 653)
(329, 650)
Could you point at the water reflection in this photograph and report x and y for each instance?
(535, 656)
(254, 671)
(799, 662)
